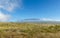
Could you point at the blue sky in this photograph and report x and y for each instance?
(14, 10)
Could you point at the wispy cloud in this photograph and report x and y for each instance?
(9, 5)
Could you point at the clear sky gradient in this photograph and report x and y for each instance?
(41, 9)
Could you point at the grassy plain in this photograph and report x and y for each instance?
(29, 30)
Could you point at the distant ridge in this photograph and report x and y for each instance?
(35, 20)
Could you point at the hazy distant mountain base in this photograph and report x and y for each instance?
(48, 22)
(34, 20)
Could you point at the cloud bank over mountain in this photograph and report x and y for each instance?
(40, 19)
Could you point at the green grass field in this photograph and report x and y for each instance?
(29, 30)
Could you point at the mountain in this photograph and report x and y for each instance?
(30, 20)
(36, 20)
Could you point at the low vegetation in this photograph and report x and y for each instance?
(29, 30)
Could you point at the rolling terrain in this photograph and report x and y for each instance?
(29, 30)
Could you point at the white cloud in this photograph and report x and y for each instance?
(49, 19)
(4, 17)
(9, 5)
(46, 19)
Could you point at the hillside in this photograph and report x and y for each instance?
(29, 30)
